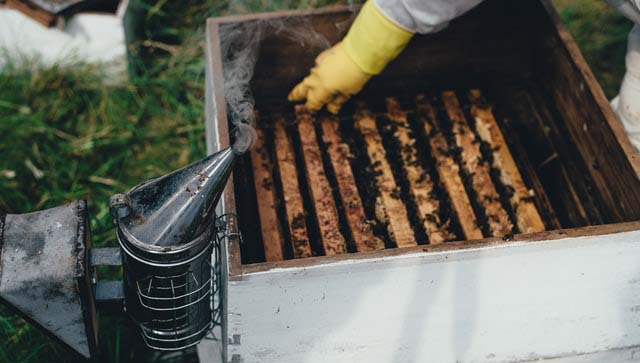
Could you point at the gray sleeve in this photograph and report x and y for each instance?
(424, 16)
(629, 8)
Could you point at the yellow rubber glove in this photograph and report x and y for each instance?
(342, 71)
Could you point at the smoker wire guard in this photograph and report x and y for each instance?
(220, 234)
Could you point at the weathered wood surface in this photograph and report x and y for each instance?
(421, 184)
(389, 207)
(321, 192)
(523, 159)
(448, 170)
(476, 168)
(599, 136)
(564, 184)
(339, 153)
(527, 217)
(33, 11)
(294, 207)
(272, 239)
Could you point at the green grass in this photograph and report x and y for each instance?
(65, 134)
(601, 32)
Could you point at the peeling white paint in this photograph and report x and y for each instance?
(555, 300)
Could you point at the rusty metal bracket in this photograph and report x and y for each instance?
(109, 292)
(109, 295)
(106, 256)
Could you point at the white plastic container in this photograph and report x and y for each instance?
(85, 37)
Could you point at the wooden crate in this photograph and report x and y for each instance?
(567, 294)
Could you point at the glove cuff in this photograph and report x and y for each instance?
(374, 40)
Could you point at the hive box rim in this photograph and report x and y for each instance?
(235, 267)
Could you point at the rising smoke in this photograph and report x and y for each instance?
(240, 47)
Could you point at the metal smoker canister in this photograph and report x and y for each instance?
(165, 228)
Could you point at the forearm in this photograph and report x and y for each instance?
(629, 8)
(423, 16)
(373, 40)
(378, 35)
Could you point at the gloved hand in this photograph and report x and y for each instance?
(332, 81)
(342, 71)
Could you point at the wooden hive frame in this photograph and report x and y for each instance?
(448, 169)
(595, 194)
(421, 185)
(326, 211)
(389, 208)
(477, 170)
(294, 207)
(339, 154)
(527, 217)
(264, 185)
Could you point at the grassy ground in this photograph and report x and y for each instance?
(601, 34)
(65, 134)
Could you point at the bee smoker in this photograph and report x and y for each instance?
(166, 230)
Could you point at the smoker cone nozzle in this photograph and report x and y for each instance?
(176, 208)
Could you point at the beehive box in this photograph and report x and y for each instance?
(568, 293)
